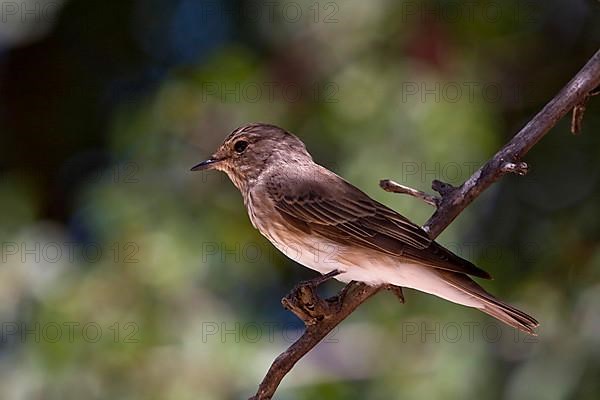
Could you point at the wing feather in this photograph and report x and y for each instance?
(341, 212)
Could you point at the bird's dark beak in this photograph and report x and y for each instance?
(208, 164)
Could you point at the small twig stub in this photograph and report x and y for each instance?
(579, 111)
(519, 168)
(394, 187)
(443, 188)
(577, 118)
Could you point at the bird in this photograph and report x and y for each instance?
(325, 223)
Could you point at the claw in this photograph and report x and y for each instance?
(304, 301)
(397, 290)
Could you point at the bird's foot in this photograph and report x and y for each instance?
(304, 301)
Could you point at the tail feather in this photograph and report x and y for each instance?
(491, 305)
(511, 316)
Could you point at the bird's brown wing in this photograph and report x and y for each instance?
(338, 211)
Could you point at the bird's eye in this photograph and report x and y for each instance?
(240, 146)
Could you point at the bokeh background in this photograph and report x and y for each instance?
(125, 276)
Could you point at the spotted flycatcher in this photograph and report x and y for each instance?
(323, 222)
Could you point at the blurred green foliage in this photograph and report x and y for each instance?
(125, 276)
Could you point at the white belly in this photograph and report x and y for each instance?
(320, 256)
(373, 268)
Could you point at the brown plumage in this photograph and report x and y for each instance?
(303, 208)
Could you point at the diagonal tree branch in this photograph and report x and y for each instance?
(321, 316)
(578, 89)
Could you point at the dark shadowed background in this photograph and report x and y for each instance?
(125, 276)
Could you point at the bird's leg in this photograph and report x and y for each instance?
(320, 279)
(337, 300)
(397, 291)
(304, 301)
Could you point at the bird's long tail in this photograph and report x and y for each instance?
(491, 305)
(511, 316)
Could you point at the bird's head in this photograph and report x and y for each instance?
(251, 149)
